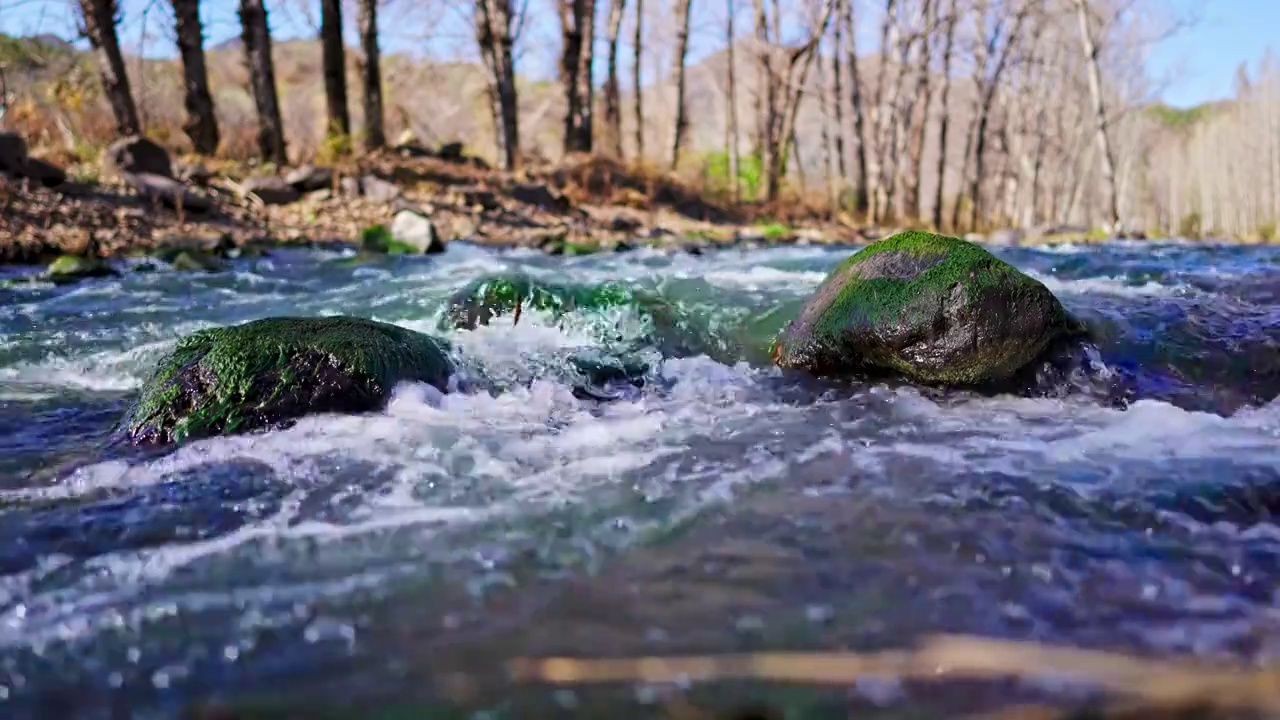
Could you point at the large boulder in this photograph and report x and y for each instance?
(137, 155)
(934, 309)
(13, 152)
(262, 373)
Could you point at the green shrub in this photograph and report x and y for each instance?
(1189, 226)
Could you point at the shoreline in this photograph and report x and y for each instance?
(593, 204)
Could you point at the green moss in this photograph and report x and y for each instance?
(775, 231)
(399, 247)
(196, 261)
(376, 238)
(500, 295)
(886, 312)
(224, 380)
(71, 268)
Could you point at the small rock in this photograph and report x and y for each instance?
(411, 150)
(379, 190)
(271, 190)
(196, 261)
(319, 195)
(70, 268)
(540, 196)
(349, 186)
(310, 177)
(13, 152)
(475, 197)
(624, 224)
(168, 191)
(43, 172)
(137, 155)
(450, 151)
(416, 231)
(194, 173)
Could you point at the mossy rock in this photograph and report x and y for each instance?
(73, 268)
(487, 298)
(196, 261)
(934, 309)
(262, 373)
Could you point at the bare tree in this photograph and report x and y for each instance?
(731, 134)
(837, 106)
(201, 125)
(637, 53)
(945, 118)
(987, 77)
(577, 23)
(859, 120)
(682, 9)
(791, 91)
(880, 112)
(493, 20)
(99, 18)
(1090, 48)
(924, 95)
(371, 73)
(335, 67)
(262, 79)
(612, 110)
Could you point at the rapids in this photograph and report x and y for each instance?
(717, 505)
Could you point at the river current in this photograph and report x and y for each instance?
(400, 558)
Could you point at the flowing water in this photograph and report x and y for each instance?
(400, 558)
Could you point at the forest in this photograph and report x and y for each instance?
(960, 115)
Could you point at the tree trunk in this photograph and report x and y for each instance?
(946, 112)
(262, 79)
(828, 164)
(766, 92)
(988, 95)
(612, 111)
(879, 113)
(1108, 167)
(335, 67)
(100, 20)
(371, 72)
(576, 26)
(837, 106)
(493, 34)
(678, 69)
(732, 71)
(636, 50)
(201, 125)
(793, 92)
(859, 121)
(924, 95)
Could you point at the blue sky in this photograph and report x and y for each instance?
(1199, 63)
(1195, 65)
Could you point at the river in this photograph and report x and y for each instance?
(403, 556)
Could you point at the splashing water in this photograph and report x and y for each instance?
(717, 505)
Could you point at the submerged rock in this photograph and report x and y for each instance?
(72, 268)
(513, 294)
(234, 379)
(934, 309)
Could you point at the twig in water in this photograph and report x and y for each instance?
(1163, 684)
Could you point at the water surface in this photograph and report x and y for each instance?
(718, 506)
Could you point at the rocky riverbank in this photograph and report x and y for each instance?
(142, 202)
